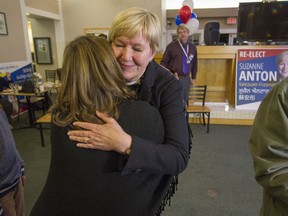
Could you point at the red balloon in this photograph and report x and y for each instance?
(185, 13)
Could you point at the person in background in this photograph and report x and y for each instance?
(135, 37)
(282, 63)
(268, 144)
(6, 104)
(106, 181)
(180, 57)
(4, 82)
(12, 177)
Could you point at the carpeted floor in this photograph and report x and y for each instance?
(218, 181)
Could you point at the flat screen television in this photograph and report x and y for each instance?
(262, 22)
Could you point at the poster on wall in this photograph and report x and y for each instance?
(257, 71)
(19, 71)
(43, 52)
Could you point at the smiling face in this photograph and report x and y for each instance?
(283, 66)
(133, 55)
(183, 34)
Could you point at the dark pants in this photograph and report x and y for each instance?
(13, 202)
(8, 108)
(185, 80)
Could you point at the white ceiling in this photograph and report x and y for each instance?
(177, 4)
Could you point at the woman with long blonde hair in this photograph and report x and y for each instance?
(85, 182)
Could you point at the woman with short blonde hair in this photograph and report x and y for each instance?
(142, 21)
(135, 37)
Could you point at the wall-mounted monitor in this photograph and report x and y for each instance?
(263, 22)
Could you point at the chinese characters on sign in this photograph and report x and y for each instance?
(256, 73)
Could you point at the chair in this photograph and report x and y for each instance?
(45, 119)
(196, 103)
(50, 75)
(33, 105)
(58, 71)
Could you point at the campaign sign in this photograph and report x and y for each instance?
(256, 73)
(20, 71)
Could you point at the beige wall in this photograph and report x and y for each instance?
(43, 16)
(45, 5)
(12, 46)
(45, 28)
(78, 15)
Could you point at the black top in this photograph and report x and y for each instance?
(91, 182)
(172, 59)
(161, 89)
(151, 158)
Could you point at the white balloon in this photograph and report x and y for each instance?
(189, 3)
(192, 25)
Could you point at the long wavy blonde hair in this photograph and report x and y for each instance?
(91, 80)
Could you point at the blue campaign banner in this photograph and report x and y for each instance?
(19, 71)
(257, 71)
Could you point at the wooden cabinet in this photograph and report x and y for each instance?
(217, 70)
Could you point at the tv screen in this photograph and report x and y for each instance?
(263, 22)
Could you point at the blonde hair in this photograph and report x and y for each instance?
(182, 26)
(133, 21)
(91, 80)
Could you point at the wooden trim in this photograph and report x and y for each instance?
(45, 118)
(224, 121)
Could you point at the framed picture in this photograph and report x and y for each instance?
(3, 24)
(43, 52)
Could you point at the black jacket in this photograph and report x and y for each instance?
(161, 89)
(90, 182)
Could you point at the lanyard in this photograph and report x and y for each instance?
(186, 53)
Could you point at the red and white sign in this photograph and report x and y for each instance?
(231, 20)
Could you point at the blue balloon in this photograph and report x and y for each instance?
(178, 20)
(193, 15)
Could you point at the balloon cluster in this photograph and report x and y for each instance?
(187, 16)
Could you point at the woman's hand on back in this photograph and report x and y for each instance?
(108, 137)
